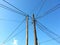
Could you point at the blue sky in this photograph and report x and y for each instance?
(10, 20)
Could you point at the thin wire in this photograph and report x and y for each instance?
(41, 7)
(48, 34)
(49, 40)
(48, 29)
(8, 8)
(13, 31)
(49, 11)
(15, 8)
(43, 30)
(33, 11)
(14, 36)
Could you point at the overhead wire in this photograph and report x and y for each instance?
(13, 36)
(23, 13)
(13, 32)
(19, 11)
(58, 37)
(48, 40)
(43, 2)
(49, 11)
(8, 8)
(48, 33)
(33, 11)
(48, 29)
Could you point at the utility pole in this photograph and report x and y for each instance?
(35, 35)
(26, 30)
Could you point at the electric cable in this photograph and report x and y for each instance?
(13, 36)
(48, 40)
(48, 29)
(23, 13)
(13, 32)
(44, 30)
(43, 2)
(8, 8)
(49, 11)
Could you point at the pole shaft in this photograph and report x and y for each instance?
(26, 30)
(35, 36)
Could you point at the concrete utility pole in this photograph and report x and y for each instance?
(35, 35)
(26, 30)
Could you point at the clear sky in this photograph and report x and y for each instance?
(9, 20)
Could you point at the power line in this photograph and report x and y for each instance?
(24, 14)
(13, 31)
(49, 34)
(46, 32)
(47, 29)
(8, 8)
(14, 36)
(33, 11)
(48, 40)
(49, 11)
(43, 2)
